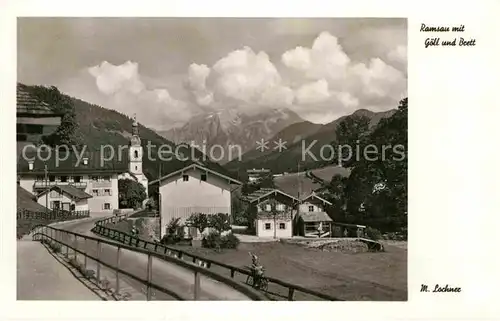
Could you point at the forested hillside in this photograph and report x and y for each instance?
(376, 191)
(93, 126)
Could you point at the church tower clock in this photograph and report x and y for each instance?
(135, 151)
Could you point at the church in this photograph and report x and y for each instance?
(38, 173)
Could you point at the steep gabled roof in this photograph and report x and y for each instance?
(264, 192)
(315, 217)
(69, 190)
(313, 195)
(27, 201)
(29, 105)
(71, 163)
(196, 165)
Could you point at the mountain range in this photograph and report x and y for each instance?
(295, 137)
(229, 127)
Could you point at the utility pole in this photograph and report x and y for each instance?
(159, 199)
(46, 188)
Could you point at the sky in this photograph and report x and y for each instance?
(168, 69)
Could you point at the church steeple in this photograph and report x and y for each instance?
(135, 140)
(135, 127)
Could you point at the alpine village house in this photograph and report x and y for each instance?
(280, 215)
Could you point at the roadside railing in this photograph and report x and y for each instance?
(100, 252)
(27, 220)
(50, 215)
(155, 247)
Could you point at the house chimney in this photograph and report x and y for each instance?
(85, 161)
(30, 165)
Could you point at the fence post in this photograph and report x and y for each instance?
(117, 267)
(75, 245)
(98, 262)
(66, 242)
(85, 254)
(290, 294)
(196, 285)
(150, 276)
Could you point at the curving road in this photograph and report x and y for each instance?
(168, 275)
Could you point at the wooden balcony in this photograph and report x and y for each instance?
(44, 185)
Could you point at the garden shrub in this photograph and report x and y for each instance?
(173, 235)
(219, 222)
(373, 233)
(215, 240)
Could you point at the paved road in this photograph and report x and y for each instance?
(41, 277)
(168, 275)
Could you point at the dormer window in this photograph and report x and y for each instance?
(30, 166)
(185, 178)
(311, 208)
(204, 177)
(85, 161)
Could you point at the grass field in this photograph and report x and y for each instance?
(380, 276)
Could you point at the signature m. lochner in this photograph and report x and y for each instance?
(438, 288)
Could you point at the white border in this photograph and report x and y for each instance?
(453, 177)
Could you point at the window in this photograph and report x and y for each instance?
(52, 178)
(77, 179)
(204, 177)
(268, 207)
(185, 178)
(107, 192)
(64, 179)
(267, 226)
(136, 155)
(280, 207)
(55, 194)
(95, 192)
(311, 208)
(282, 226)
(107, 206)
(34, 129)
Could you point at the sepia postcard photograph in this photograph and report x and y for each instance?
(158, 160)
(224, 152)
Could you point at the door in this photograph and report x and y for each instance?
(56, 205)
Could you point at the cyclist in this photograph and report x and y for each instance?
(257, 270)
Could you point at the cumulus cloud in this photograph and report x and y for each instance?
(124, 91)
(321, 83)
(111, 79)
(315, 92)
(197, 82)
(331, 78)
(244, 75)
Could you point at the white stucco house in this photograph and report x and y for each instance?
(64, 197)
(193, 189)
(92, 172)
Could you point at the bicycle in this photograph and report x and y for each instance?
(259, 283)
